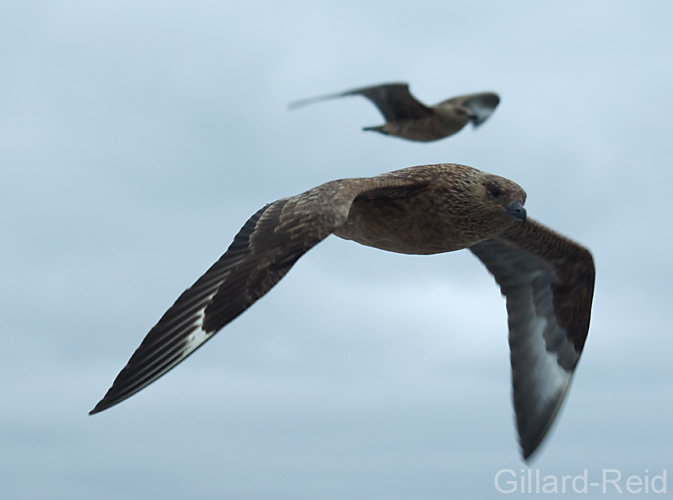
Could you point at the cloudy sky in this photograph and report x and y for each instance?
(136, 137)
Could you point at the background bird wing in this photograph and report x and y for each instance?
(548, 282)
(480, 106)
(394, 101)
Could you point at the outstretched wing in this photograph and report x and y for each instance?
(548, 282)
(480, 106)
(264, 250)
(393, 100)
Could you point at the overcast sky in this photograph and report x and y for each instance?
(136, 137)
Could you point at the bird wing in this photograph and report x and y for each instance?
(548, 282)
(393, 100)
(263, 251)
(480, 106)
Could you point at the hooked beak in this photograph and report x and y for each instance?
(517, 211)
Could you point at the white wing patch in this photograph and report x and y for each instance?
(199, 335)
(481, 111)
(547, 377)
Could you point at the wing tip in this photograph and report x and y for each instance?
(529, 449)
(108, 401)
(483, 107)
(100, 406)
(532, 437)
(312, 100)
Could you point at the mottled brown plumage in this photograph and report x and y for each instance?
(546, 278)
(408, 118)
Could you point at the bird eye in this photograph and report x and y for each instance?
(494, 189)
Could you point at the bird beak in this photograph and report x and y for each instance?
(517, 211)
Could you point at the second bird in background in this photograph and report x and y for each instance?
(408, 118)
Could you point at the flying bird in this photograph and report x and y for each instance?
(408, 118)
(547, 279)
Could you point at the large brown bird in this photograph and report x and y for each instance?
(408, 118)
(547, 279)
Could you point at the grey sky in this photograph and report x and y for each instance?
(137, 137)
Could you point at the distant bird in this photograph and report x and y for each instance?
(547, 279)
(410, 119)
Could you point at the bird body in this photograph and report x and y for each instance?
(547, 279)
(434, 212)
(408, 118)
